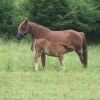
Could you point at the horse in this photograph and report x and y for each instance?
(66, 39)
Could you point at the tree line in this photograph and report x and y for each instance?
(80, 15)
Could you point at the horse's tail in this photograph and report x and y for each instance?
(43, 58)
(85, 53)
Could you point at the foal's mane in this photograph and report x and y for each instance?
(38, 30)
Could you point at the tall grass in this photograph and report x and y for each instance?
(19, 81)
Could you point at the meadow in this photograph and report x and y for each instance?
(19, 81)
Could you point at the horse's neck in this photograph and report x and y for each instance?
(38, 31)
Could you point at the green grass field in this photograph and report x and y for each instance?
(19, 81)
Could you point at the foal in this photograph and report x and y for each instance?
(44, 47)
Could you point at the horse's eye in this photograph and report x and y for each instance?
(23, 27)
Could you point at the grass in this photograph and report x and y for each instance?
(19, 81)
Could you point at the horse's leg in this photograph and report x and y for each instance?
(33, 44)
(80, 54)
(61, 59)
(37, 56)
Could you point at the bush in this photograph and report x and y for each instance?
(65, 14)
(6, 12)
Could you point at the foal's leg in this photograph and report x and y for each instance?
(37, 56)
(61, 59)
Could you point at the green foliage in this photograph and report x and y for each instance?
(11, 13)
(6, 14)
(5, 11)
(48, 12)
(65, 14)
(19, 12)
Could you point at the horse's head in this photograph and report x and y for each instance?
(22, 30)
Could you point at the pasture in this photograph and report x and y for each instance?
(19, 81)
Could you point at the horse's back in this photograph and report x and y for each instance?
(68, 37)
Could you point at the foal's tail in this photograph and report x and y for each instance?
(43, 58)
(85, 53)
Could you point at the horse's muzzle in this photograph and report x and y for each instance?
(19, 37)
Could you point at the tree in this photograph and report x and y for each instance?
(64, 14)
(6, 12)
(48, 12)
(80, 15)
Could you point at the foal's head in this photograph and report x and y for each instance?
(22, 30)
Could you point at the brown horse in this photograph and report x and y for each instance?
(66, 39)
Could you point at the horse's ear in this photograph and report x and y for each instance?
(26, 21)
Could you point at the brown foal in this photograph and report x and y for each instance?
(44, 47)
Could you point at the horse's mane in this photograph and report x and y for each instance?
(39, 30)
